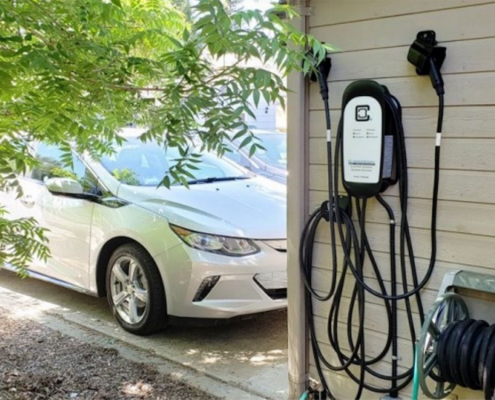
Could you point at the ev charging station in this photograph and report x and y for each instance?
(368, 158)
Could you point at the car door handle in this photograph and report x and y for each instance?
(28, 201)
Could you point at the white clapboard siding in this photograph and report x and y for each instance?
(347, 11)
(464, 23)
(321, 279)
(477, 218)
(381, 367)
(451, 247)
(345, 389)
(473, 122)
(469, 186)
(460, 154)
(416, 91)
(374, 38)
(377, 343)
(463, 57)
(372, 320)
(322, 260)
(375, 340)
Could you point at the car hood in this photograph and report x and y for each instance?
(252, 208)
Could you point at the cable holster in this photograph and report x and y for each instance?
(321, 72)
(345, 205)
(428, 58)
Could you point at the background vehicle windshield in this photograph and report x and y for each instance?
(146, 164)
(275, 153)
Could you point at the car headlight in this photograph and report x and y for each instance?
(229, 246)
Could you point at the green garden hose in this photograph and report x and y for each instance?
(304, 395)
(415, 390)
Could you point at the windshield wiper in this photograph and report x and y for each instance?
(217, 179)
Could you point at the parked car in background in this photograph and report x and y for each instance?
(214, 251)
(270, 162)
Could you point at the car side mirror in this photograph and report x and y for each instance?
(64, 186)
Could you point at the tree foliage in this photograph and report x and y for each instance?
(126, 176)
(74, 72)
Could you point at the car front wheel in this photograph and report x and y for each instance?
(135, 290)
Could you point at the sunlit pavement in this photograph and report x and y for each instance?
(250, 355)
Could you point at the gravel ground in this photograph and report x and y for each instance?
(38, 363)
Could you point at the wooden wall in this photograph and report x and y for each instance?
(374, 37)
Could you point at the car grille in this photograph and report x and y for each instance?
(279, 245)
(276, 294)
(274, 284)
(206, 287)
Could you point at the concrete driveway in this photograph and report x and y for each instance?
(250, 355)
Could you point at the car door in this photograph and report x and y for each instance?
(67, 219)
(8, 203)
(29, 204)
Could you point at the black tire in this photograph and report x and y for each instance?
(155, 318)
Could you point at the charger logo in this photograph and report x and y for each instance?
(362, 113)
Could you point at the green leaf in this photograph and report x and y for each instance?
(16, 39)
(245, 142)
(175, 41)
(186, 35)
(239, 134)
(5, 80)
(7, 53)
(117, 3)
(256, 97)
(252, 150)
(250, 112)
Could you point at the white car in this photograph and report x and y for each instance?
(214, 251)
(270, 162)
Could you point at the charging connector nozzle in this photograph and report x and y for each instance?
(321, 72)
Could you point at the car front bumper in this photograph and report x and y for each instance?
(235, 286)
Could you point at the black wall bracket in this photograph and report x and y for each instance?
(425, 49)
(428, 58)
(321, 72)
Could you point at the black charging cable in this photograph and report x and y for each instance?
(356, 267)
(355, 248)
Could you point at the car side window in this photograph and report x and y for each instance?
(85, 177)
(50, 162)
(52, 165)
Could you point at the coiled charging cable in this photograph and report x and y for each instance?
(355, 248)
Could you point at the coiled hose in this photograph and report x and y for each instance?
(466, 355)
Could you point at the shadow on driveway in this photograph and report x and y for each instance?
(250, 353)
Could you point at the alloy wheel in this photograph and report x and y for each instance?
(129, 290)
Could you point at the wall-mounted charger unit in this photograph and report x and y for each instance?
(368, 139)
(370, 155)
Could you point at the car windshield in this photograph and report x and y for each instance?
(146, 164)
(275, 153)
